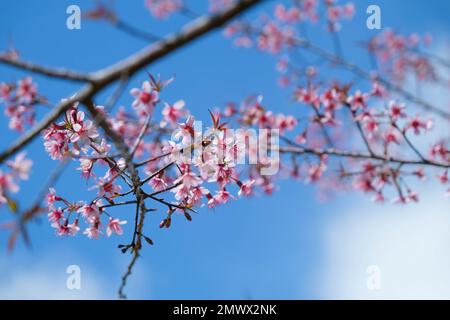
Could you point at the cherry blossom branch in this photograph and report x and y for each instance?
(52, 116)
(131, 65)
(351, 67)
(335, 59)
(358, 155)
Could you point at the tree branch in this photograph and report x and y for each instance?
(46, 71)
(358, 155)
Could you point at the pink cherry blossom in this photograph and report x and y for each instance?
(21, 166)
(92, 232)
(173, 113)
(91, 212)
(417, 124)
(163, 8)
(358, 100)
(26, 90)
(55, 215)
(114, 226)
(396, 110)
(145, 98)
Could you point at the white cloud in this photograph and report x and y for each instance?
(47, 280)
(410, 245)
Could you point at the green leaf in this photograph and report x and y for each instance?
(12, 205)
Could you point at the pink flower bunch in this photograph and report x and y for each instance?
(274, 38)
(73, 136)
(19, 169)
(336, 12)
(187, 168)
(399, 55)
(291, 15)
(163, 8)
(19, 100)
(145, 98)
(65, 216)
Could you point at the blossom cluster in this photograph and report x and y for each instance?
(19, 169)
(202, 168)
(398, 55)
(278, 33)
(162, 9)
(65, 216)
(171, 162)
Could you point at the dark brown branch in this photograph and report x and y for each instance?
(358, 155)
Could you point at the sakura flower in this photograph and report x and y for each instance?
(5, 92)
(92, 232)
(222, 196)
(246, 188)
(443, 178)
(379, 197)
(391, 136)
(61, 229)
(163, 8)
(358, 100)
(291, 15)
(107, 188)
(86, 166)
(26, 90)
(285, 122)
(83, 131)
(56, 149)
(172, 113)
(185, 131)
(419, 173)
(274, 38)
(52, 198)
(21, 166)
(378, 90)
(91, 212)
(114, 226)
(396, 110)
(188, 179)
(440, 151)
(307, 96)
(55, 215)
(7, 183)
(417, 124)
(145, 98)
(364, 184)
(348, 10)
(230, 110)
(413, 196)
(158, 183)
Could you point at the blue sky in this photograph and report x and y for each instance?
(268, 247)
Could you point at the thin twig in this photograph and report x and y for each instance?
(46, 71)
